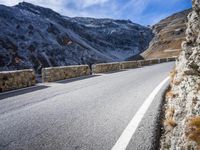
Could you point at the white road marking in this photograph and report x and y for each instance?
(127, 134)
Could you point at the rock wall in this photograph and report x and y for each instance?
(182, 109)
(64, 72)
(10, 80)
(109, 67)
(106, 67)
(129, 64)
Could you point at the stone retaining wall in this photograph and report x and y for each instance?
(10, 80)
(181, 121)
(145, 62)
(171, 59)
(162, 60)
(60, 73)
(129, 64)
(155, 61)
(106, 67)
(109, 67)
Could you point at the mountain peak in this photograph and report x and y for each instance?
(36, 9)
(169, 34)
(37, 37)
(26, 5)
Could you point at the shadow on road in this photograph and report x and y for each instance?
(111, 72)
(77, 79)
(22, 91)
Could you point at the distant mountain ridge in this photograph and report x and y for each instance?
(37, 37)
(169, 34)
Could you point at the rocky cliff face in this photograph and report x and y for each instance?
(36, 37)
(169, 34)
(182, 115)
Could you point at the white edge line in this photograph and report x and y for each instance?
(127, 134)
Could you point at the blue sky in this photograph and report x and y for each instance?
(145, 12)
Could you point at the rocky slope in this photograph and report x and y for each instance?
(169, 34)
(36, 37)
(182, 114)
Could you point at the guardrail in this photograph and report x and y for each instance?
(106, 67)
(130, 64)
(64, 72)
(109, 67)
(10, 80)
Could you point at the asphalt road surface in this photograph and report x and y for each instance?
(88, 113)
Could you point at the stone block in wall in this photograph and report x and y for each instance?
(10, 80)
(106, 67)
(145, 62)
(129, 64)
(154, 61)
(171, 59)
(64, 72)
(162, 60)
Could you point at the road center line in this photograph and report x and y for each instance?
(127, 134)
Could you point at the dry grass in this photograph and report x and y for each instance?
(198, 87)
(177, 82)
(170, 123)
(158, 49)
(170, 94)
(170, 112)
(173, 73)
(193, 129)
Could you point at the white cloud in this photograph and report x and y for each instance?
(9, 2)
(137, 5)
(118, 9)
(88, 3)
(79, 3)
(61, 6)
(54, 4)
